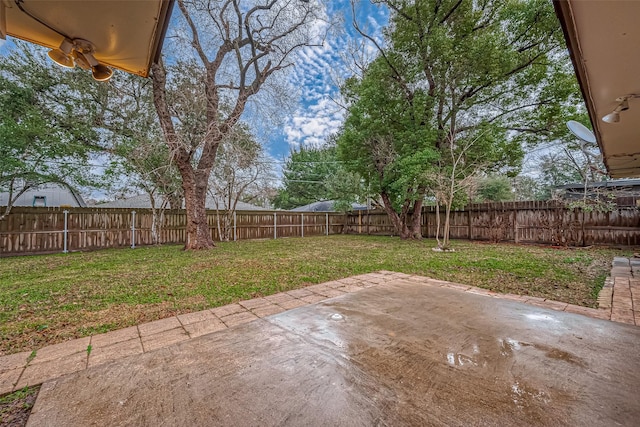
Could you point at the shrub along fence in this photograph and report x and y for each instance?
(48, 230)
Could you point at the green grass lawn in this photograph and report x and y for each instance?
(51, 298)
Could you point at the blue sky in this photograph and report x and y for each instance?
(316, 76)
(318, 72)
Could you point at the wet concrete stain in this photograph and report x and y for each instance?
(397, 354)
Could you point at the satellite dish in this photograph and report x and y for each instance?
(581, 131)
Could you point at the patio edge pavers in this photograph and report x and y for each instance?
(620, 295)
(21, 369)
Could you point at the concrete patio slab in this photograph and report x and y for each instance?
(401, 353)
(14, 361)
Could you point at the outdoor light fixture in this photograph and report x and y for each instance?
(71, 52)
(62, 55)
(623, 105)
(80, 52)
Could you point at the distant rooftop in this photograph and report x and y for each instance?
(47, 195)
(614, 183)
(142, 201)
(326, 206)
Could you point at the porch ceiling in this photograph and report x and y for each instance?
(603, 37)
(126, 34)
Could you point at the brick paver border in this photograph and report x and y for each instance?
(31, 368)
(620, 295)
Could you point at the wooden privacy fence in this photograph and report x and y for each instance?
(47, 230)
(547, 222)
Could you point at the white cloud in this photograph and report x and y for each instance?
(318, 73)
(313, 125)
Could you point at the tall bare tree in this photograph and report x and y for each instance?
(242, 173)
(238, 46)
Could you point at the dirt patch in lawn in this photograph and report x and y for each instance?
(16, 407)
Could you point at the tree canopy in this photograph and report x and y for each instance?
(458, 87)
(43, 138)
(313, 174)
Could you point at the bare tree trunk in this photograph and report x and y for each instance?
(438, 223)
(218, 223)
(195, 195)
(447, 224)
(416, 220)
(154, 219)
(194, 182)
(399, 221)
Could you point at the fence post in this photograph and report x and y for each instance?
(235, 227)
(133, 229)
(275, 226)
(66, 230)
(327, 223)
(302, 226)
(515, 225)
(425, 214)
(470, 222)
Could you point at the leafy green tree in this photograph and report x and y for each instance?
(494, 188)
(458, 87)
(44, 138)
(313, 174)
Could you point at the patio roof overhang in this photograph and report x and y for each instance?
(126, 34)
(603, 37)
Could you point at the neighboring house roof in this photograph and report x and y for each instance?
(142, 201)
(612, 184)
(326, 206)
(49, 195)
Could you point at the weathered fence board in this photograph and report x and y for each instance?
(42, 230)
(522, 222)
